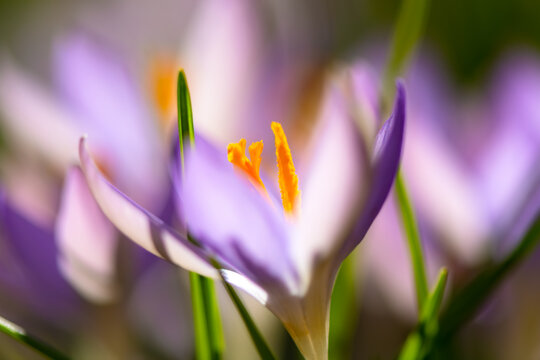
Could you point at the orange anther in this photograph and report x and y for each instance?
(287, 178)
(236, 153)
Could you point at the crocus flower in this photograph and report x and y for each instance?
(285, 255)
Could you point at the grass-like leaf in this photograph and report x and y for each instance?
(19, 334)
(213, 318)
(413, 242)
(200, 325)
(209, 343)
(419, 342)
(186, 132)
(407, 32)
(262, 347)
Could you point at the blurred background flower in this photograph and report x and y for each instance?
(471, 154)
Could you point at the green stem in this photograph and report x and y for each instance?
(413, 241)
(200, 325)
(344, 310)
(19, 334)
(213, 318)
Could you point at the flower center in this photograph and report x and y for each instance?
(287, 178)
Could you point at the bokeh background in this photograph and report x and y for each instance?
(466, 45)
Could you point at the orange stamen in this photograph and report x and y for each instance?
(236, 153)
(288, 180)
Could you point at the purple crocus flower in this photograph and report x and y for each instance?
(470, 167)
(286, 258)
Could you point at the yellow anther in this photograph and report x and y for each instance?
(287, 178)
(236, 153)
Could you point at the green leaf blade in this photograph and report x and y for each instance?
(420, 341)
(209, 340)
(409, 26)
(186, 132)
(19, 334)
(202, 338)
(213, 318)
(260, 343)
(344, 311)
(413, 241)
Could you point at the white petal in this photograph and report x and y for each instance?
(332, 189)
(220, 66)
(246, 285)
(139, 225)
(37, 121)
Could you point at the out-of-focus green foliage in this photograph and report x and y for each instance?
(469, 33)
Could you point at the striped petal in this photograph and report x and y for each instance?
(140, 225)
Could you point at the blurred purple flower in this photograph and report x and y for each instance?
(103, 101)
(470, 167)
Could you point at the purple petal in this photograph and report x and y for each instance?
(109, 108)
(140, 225)
(35, 251)
(444, 191)
(508, 162)
(87, 241)
(386, 161)
(515, 93)
(232, 219)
